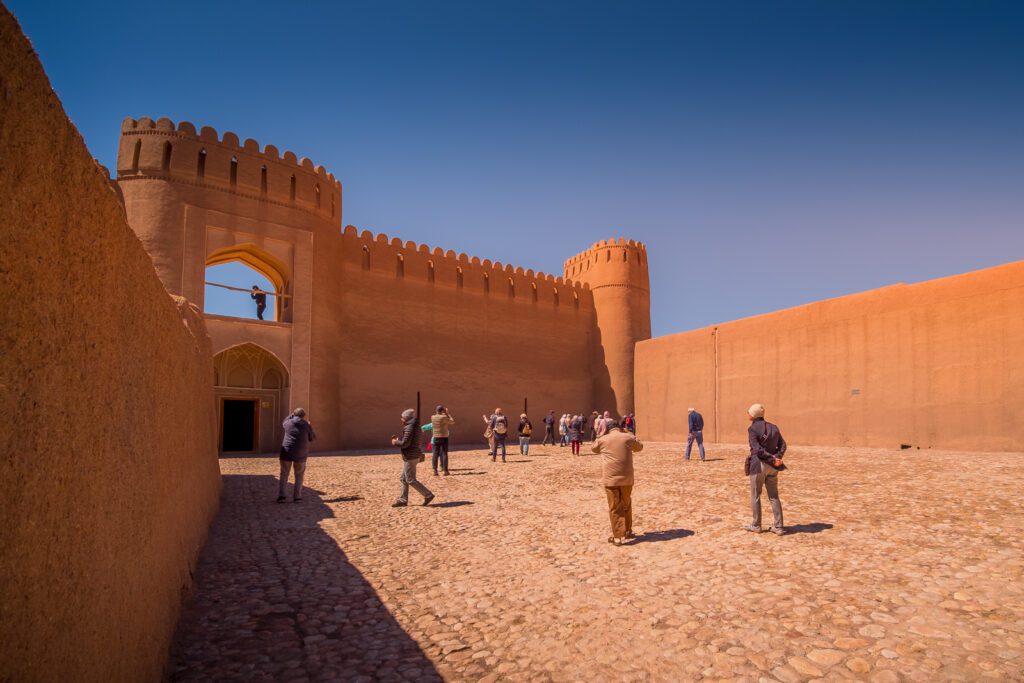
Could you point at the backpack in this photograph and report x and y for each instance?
(527, 429)
(501, 425)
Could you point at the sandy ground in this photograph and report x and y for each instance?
(898, 565)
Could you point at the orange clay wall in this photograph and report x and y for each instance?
(471, 334)
(934, 365)
(110, 474)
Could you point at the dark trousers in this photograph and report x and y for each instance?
(576, 447)
(440, 454)
(549, 433)
(499, 440)
(697, 436)
(259, 310)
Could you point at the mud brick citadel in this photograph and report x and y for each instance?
(492, 334)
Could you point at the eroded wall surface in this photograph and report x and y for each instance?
(110, 469)
(933, 365)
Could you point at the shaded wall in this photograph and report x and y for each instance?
(110, 473)
(936, 365)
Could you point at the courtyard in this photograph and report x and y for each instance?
(899, 565)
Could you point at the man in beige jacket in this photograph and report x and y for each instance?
(618, 447)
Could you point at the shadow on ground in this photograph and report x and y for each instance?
(275, 598)
(813, 528)
(656, 536)
(451, 504)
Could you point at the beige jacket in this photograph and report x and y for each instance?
(440, 424)
(617, 447)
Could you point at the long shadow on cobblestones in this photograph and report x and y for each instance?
(668, 535)
(814, 528)
(275, 598)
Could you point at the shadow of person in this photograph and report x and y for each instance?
(275, 597)
(656, 536)
(342, 499)
(451, 504)
(466, 474)
(813, 528)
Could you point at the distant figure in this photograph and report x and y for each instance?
(549, 428)
(575, 432)
(695, 425)
(629, 422)
(409, 442)
(498, 425)
(763, 466)
(525, 429)
(488, 434)
(603, 422)
(261, 300)
(298, 432)
(594, 418)
(618, 447)
(440, 424)
(563, 430)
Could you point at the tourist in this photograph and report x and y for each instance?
(298, 432)
(549, 428)
(498, 425)
(440, 424)
(563, 430)
(488, 434)
(618, 447)
(260, 297)
(695, 425)
(575, 432)
(629, 422)
(767, 447)
(594, 418)
(602, 424)
(525, 429)
(409, 442)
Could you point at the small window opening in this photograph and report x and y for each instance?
(625, 255)
(263, 179)
(511, 289)
(430, 272)
(576, 300)
(534, 292)
(638, 259)
(458, 277)
(400, 266)
(366, 252)
(487, 283)
(135, 156)
(316, 192)
(291, 192)
(201, 164)
(165, 165)
(556, 296)
(332, 205)
(608, 255)
(234, 172)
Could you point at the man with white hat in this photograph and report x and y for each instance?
(763, 466)
(695, 423)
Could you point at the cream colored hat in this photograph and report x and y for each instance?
(691, 410)
(756, 410)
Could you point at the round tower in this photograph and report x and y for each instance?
(616, 272)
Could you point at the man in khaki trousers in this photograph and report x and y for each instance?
(618, 447)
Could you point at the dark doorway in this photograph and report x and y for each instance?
(239, 427)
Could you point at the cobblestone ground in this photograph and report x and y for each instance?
(900, 565)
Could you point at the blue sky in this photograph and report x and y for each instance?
(769, 153)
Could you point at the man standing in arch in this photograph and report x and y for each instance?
(261, 300)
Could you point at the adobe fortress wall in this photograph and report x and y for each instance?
(110, 469)
(934, 365)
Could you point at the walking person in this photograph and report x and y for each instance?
(260, 297)
(298, 432)
(525, 429)
(575, 432)
(409, 443)
(629, 423)
(767, 447)
(549, 428)
(603, 423)
(488, 433)
(695, 427)
(595, 417)
(498, 424)
(563, 430)
(440, 425)
(618, 447)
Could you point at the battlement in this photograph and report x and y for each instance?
(160, 149)
(619, 250)
(390, 256)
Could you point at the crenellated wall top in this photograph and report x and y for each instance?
(603, 245)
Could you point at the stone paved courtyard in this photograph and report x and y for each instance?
(901, 565)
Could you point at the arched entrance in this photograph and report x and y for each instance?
(269, 267)
(251, 388)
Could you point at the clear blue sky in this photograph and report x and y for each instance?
(768, 153)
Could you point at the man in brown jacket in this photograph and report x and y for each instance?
(618, 447)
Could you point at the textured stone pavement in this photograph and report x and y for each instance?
(902, 565)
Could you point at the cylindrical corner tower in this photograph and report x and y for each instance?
(616, 271)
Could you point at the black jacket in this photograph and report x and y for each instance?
(766, 444)
(409, 441)
(696, 421)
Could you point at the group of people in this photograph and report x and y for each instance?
(615, 440)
